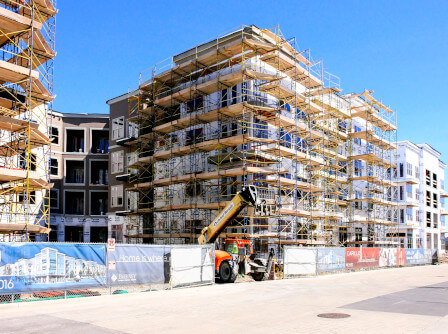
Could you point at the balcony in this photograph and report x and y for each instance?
(74, 171)
(75, 141)
(100, 141)
(99, 172)
(98, 203)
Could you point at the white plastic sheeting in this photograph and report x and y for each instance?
(298, 261)
(192, 265)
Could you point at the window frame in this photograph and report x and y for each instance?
(113, 163)
(114, 128)
(65, 199)
(65, 172)
(112, 202)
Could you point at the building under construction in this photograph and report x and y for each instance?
(251, 108)
(27, 29)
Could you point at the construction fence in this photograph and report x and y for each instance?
(39, 271)
(310, 261)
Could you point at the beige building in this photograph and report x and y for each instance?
(79, 171)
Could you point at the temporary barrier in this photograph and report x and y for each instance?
(26, 267)
(414, 256)
(61, 270)
(330, 259)
(192, 265)
(388, 257)
(138, 264)
(299, 261)
(364, 257)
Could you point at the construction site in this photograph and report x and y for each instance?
(250, 108)
(27, 30)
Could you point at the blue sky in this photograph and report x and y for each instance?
(397, 48)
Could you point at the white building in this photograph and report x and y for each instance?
(420, 194)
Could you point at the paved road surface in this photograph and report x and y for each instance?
(402, 300)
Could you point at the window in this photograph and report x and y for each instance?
(409, 214)
(417, 195)
(195, 104)
(358, 233)
(23, 161)
(401, 193)
(74, 171)
(358, 168)
(98, 172)
(244, 91)
(409, 190)
(75, 140)
(428, 198)
(74, 202)
(54, 134)
(117, 195)
(194, 136)
(224, 98)
(193, 189)
(118, 128)
(428, 219)
(54, 166)
(428, 178)
(117, 233)
(435, 202)
(401, 170)
(117, 162)
(98, 203)
(434, 180)
(408, 169)
(417, 215)
(417, 172)
(100, 141)
(234, 94)
(401, 216)
(32, 198)
(435, 220)
(54, 198)
(357, 140)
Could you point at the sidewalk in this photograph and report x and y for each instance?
(400, 300)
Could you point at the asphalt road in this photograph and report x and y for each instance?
(401, 300)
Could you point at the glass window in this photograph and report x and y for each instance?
(118, 128)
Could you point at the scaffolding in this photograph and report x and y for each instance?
(27, 29)
(247, 107)
(374, 196)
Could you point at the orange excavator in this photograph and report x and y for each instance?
(238, 256)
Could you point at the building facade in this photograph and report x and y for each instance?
(421, 192)
(79, 171)
(249, 108)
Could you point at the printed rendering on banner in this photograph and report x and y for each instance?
(414, 256)
(42, 266)
(330, 259)
(400, 257)
(356, 258)
(388, 257)
(139, 264)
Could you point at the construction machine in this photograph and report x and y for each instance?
(238, 256)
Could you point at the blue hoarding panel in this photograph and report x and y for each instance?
(414, 256)
(26, 267)
(139, 264)
(330, 259)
